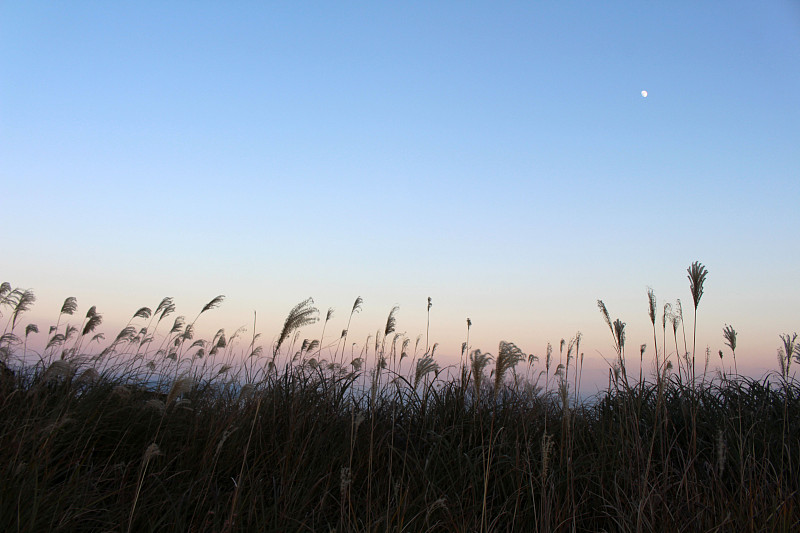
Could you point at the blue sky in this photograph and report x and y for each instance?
(497, 157)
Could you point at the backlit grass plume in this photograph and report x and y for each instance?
(697, 278)
(651, 310)
(160, 440)
(729, 334)
(301, 315)
(425, 365)
(508, 356)
(23, 303)
(478, 361)
(787, 352)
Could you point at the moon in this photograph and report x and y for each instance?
(644, 94)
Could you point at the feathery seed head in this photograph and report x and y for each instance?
(619, 333)
(24, 303)
(58, 369)
(508, 356)
(213, 304)
(143, 312)
(181, 386)
(391, 321)
(651, 300)
(425, 365)
(165, 308)
(730, 337)
(94, 320)
(697, 277)
(156, 405)
(301, 315)
(177, 325)
(152, 451)
(70, 306)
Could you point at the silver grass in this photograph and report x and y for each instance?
(188, 333)
(304, 346)
(177, 325)
(604, 312)
(651, 300)
(478, 362)
(182, 385)
(24, 303)
(9, 339)
(425, 365)
(5, 289)
(404, 348)
(729, 334)
(246, 391)
(697, 277)
(165, 308)
(508, 356)
(301, 315)
(313, 345)
(94, 320)
(126, 334)
(257, 351)
(391, 321)
(156, 405)
(152, 451)
(11, 298)
(31, 328)
(70, 306)
(619, 333)
(219, 345)
(58, 369)
(56, 340)
(213, 304)
(237, 333)
(143, 312)
(787, 352)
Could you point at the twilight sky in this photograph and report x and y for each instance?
(497, 157)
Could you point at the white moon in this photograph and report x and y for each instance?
(644, 94)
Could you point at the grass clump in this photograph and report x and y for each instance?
(164, 432)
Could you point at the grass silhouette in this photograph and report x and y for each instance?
(160, 431)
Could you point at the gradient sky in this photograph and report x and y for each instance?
(497, 157)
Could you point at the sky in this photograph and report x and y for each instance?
(497, 157)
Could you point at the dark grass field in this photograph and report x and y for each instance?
(162, 432)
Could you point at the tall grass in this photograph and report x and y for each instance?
(164, 432)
